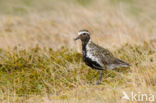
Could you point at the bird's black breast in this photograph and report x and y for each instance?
(88, 61)
(92, 64)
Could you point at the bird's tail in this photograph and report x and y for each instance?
(122, 63)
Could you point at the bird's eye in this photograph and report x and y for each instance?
(84, 33)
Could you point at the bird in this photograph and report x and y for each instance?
(98, 57)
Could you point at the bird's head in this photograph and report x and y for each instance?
(83, 35)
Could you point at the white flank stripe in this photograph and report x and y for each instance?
(90, 53)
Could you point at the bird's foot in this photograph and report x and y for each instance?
(98, 82)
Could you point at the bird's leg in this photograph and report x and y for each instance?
(100, 77)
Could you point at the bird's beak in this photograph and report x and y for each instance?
(77, 38)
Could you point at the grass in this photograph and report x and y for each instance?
(41, 71)
(40, 62)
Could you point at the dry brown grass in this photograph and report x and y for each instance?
(109, 24)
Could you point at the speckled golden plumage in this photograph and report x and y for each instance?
(96, 56)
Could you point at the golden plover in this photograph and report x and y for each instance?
(97, 57)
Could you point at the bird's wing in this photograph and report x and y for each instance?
(106, 58)
(103, 55)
